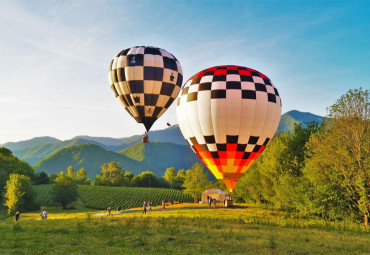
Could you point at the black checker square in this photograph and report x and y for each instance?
(276, 92)
(221, 146)
(204, 147)
(253, 139)
(233, 85)
(209, 73)
(254, 73)
(121, 74)
(214, 154)
(218, 93)
(136, 86)
(114, 90)
(209, 139)
(241, 147)
(257, 148)
(267, 82)
(193, 96)
(246, 78)
(129, 100)
(179, 79)
(249, 94)
(153, 51)
(156, 111)
(150, 99)
(169, 63)
(232, 71)
(205, 86)
(260, 87)
(167, 89)
(266, 141)
(140, 110)
(170, 100)
(246, 155)
(135, 59)
(153, 73)
(232, 138)
(219, 78)
(271, 97)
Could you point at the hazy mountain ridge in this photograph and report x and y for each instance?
(172, 147)
(91, 157)
(36, 141)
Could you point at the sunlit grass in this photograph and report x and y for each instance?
(181, 229)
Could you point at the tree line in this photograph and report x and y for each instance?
(321, 169)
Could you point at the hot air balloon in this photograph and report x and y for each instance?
(228, 115)
(146, 80)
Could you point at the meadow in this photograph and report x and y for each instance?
(182, 229)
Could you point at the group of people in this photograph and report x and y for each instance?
(44, 215)
(210, 201)
(149, 204)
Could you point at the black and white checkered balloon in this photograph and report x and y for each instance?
(146, 80)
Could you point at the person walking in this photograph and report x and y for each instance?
(163, 206)
(16, 216)
(108, 209)
(144, 208)
(214, 203)
(150, 206)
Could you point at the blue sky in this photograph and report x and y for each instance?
(55, 55)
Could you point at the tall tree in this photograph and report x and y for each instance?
(339, 157)
(170, 176)
(81, 177)
(146, 179)
(65, 190)
(19, 193)
(196, 181)
(111, 175)
(71, 172)
(41, 178)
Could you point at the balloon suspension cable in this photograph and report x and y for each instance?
(148, 160)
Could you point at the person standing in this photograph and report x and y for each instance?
(16, 216)
(150, 206)
(144, 208)
(163, 206)
(108, 209)
(214, 203)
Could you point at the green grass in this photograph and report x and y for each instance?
(187, 229)
(100, 197)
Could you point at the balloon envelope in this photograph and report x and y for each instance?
(228, 115)
(146, 80)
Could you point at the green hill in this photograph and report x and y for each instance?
(10, 164)
(160, 155)
(22, 145)
(37, 153)
(89, 156)
(289, 119)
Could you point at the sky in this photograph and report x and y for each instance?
(54, 55)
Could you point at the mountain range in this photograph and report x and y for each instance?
(167, 148)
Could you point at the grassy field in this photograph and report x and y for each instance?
(182, 229)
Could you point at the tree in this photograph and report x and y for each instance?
(19, 193)
(180, 178)
(338, 163)
(170, 176)
(41, 178)
(81, 177)
(52, 177)
(146, 179)
(65, 190)
(196, 181)
(71, 172)
(111, 175)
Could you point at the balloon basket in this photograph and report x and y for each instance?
(145, 139)
(228, 203)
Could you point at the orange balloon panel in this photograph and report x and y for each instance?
(228, 115)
